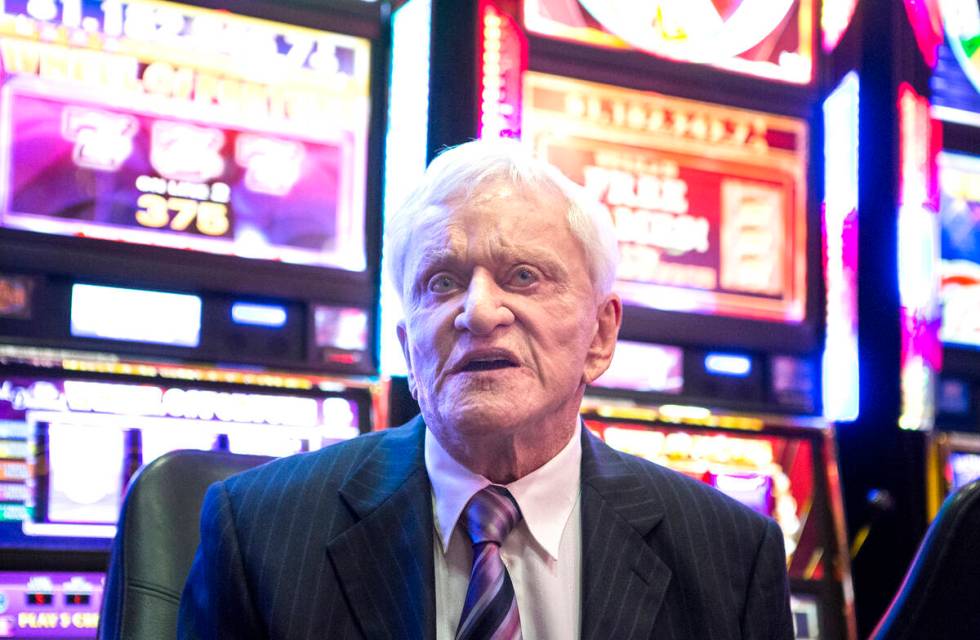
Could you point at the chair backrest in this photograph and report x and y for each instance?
(157, 539)
(940, 596)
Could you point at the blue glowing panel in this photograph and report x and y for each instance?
(964, 467)
(258, 315)
(728, 364)
(841, 370)
(135, 315)
(959, 179)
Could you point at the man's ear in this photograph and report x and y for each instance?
(403, 340)
(609, 317)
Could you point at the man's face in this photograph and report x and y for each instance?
(502, 326)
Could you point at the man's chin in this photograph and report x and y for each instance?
(479, 418)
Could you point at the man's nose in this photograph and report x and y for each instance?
(484, 308)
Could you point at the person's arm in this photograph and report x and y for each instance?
(216, 602)
(767, 614)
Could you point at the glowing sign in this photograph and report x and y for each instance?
(503, 60)
(765, 38)
(841, 365)
(708, 202)
(959, 180)
(135, 315)
(183, 127)
(50, 605)
(918, 260)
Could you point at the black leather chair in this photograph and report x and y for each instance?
(940, 596)
(157, 538)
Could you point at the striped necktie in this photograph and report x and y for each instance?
(490, 609)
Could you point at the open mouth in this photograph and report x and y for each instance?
(489, 364)
(491, 361)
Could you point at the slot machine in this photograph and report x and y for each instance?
(696, 125)
(189, 214)
(955, 101)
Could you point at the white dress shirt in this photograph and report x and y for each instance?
(543, 554)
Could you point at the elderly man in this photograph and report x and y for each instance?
(494, 513)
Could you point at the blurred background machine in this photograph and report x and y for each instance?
(189, 223)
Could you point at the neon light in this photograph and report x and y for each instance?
(259, 315)
(927, 25)
(835, 17)
(406, 145)
(503, 57)
(841, 365)
(135, 315)
(918, 260)
(728, 364)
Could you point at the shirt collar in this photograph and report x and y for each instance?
(546, 496)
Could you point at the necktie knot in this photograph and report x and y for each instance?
(491, 514)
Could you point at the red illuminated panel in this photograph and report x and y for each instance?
(503, 57)
(927, 24)
(708, 202)
(764, 38)
(156, 123)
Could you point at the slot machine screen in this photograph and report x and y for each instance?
(708, 201)
(68, 448)
(162, 124)
(959, 178)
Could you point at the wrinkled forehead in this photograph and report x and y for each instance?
(481, 203)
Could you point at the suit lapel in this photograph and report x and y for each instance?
(384, 561)
(623, 579)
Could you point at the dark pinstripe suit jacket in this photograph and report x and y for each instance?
(338, 544)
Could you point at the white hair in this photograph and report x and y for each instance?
(457, 176)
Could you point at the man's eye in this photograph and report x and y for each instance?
(524, 276)
(441, 283)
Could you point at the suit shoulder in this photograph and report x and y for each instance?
(327, 466)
